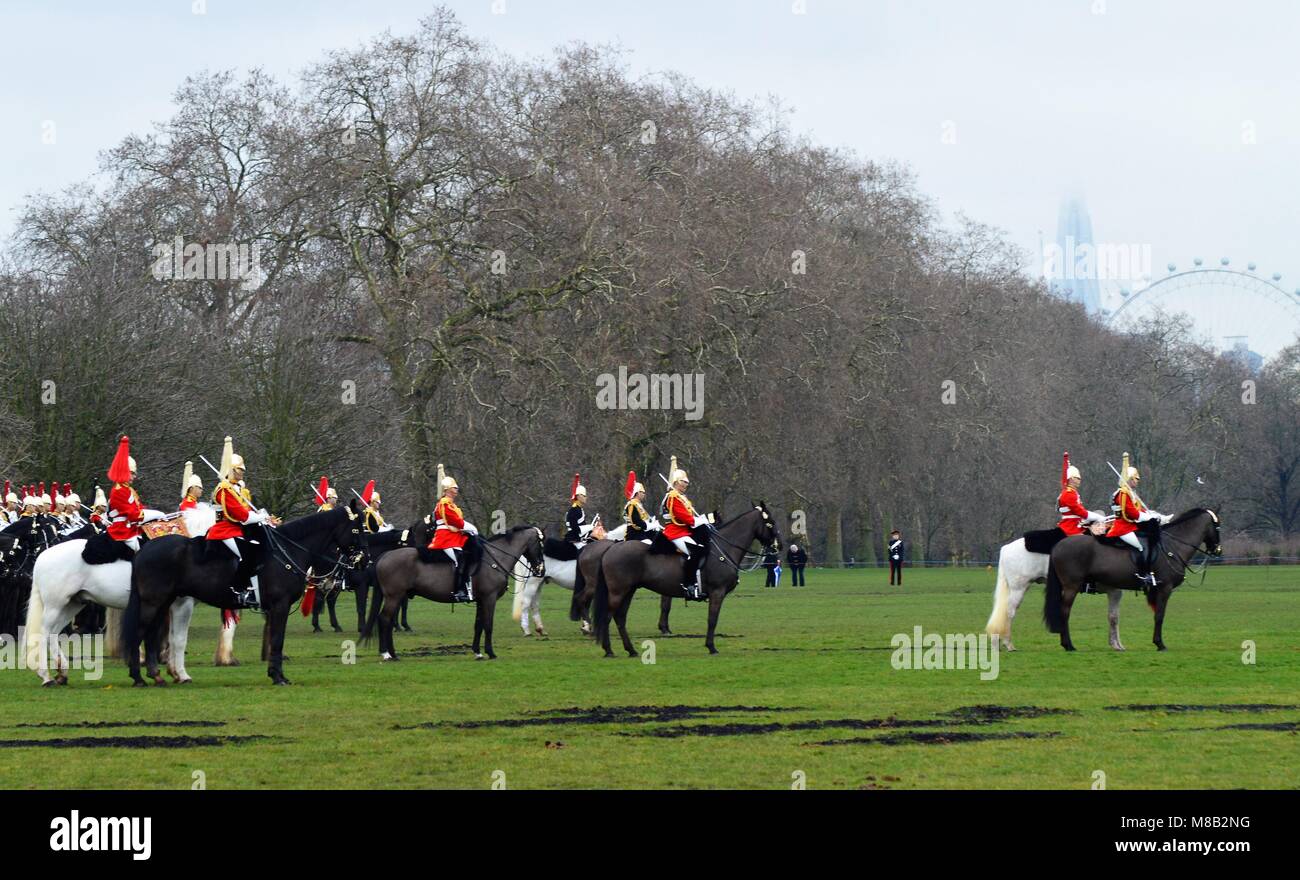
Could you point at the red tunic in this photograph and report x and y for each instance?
(1071, 511)
(125, 513)
(681, 516)
(449, 521)
(1127, 509)
(234, 513)
(187, 503)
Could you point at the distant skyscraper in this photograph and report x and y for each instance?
(1074, 237)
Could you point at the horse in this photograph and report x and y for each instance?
(1081, 559)
(63, 583)
(584, 588)
(626, 567)
(376, 545)
(166, 569)
(1017, 569)
(405, 571)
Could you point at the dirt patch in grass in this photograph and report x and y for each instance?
(438, 651)
(103, 724)
(743, 729)
(933, 738)
(602, 715)
(992, 714)
(694, 636)
(1291, 726)
(126, 742)
(1213, 707)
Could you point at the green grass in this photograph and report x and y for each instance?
(824, 649)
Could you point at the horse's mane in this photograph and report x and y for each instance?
(311, 523)
(759, 506)
(509, 533)
(1186, 515)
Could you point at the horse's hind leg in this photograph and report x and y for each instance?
(1068, 592)
(406, 604)
(1112, 615)
(153, 646)
(1162, 601)
(334, 618)
(54, 621)
(182, 611)
(489, 613)
(277, 619)
(665, 605)
(620, 617)
(715, 606)
(387, 614)
(1016, 595)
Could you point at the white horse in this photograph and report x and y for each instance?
(62, 584)
(1017, 569)
(528, 586)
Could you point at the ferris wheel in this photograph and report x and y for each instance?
(1229, 308)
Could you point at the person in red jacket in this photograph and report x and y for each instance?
(235, 511)
(125, 511)
(191, 488)
(1074, 516)
(1130, 513)
(451, 533)
(680, 529)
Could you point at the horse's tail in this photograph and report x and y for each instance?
(521, 584)
(1052, 615)
(999, 623)
(376, 600)
(579, 587)
(131, 619)
(600, 614)
(35, 615)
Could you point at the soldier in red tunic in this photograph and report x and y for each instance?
(682, 521)
(125, 511)
(1130, 514)
(235, 511)
(451, 533)
(1074, 516)
(191, 488)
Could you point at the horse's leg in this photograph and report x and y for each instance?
(277, 619)
(153, 639)
(665, 605)
(52, 624)
(489, 607)
(363, 592)
(226, 643)
(620, 617)
(715, 605)
(537, 612)
(334, 618)
(406, 604)
(1112, 615)
(182, 611)
(387, 612)
(478, 629)
(527, 594)
(1162, 602)
(315, 615)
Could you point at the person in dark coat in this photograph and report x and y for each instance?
(797, 557)
(770, 562)
(897, 551)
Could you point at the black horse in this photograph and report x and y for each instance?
(1082, 559)
(363, 579)
(627, 566)
(20, 543)
(170, 566)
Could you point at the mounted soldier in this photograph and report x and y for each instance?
(576, 529)
(687, 530)
(325, 497)
(1131, 518)
(235, 517)
(98, 509)
(452, 533)
(191, 488)
(125, 510)
(373, 521)
(9, 505)
(634, 512)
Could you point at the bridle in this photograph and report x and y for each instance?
(1200, 548)
(344, 562)
(714, 534)
(538, 569)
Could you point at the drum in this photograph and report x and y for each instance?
(171, 525)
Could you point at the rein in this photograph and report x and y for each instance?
(276, 541)
(538, 570)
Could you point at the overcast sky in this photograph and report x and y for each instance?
(1143, 107)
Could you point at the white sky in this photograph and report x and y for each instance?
(1141, 108)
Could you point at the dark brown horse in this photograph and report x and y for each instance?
(630, 565)
(584, 588)
(402, 573)
(1082, 559)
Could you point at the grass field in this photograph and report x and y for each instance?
(796, 656)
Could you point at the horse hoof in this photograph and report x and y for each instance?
(527, 634)
(317, 629)
(185, 681)
(338, 629)
(284, 682)
(541, 632)
(48, 683)
(160, 682)
(609, 655)
(479, 657)
(713, 650)
(138, 683)
(1161, 648)
(61, 680)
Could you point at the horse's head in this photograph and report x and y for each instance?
(1211, 538)
(347, 534)
(533, 551)
(767, 532)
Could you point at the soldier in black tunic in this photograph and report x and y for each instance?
(897, 550)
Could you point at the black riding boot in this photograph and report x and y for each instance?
(460, 593)
(1144, 563)
(690, 581)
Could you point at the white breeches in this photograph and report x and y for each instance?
(133, 543)
(684, 544)
(451, 552)
(1132, 540)
(234, 548)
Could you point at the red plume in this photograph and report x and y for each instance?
(41, 490)
(1065, 470)
(6, 488)
(324, 487)
(573, 490)
(631, 484)
(367, 493)
(67, 489)
(120, 470)
(309, 599)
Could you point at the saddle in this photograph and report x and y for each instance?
(1044, 540)
(205, 552)
(661, 545)
(561, 551)
(471, 555)
(101, 549)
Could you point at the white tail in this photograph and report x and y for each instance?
(520, 574)
(35, 614)
(998, 624)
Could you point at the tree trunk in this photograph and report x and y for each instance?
(113, 633)
(834, 537)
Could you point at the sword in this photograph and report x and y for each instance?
(204, 459)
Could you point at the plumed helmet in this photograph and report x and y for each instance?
(1132, 474)
(444, 481)
(331, 492)
(678, 476)
(1072, 473)
(194, 483)
(369, 494)
(121, 468)
(100, 500)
